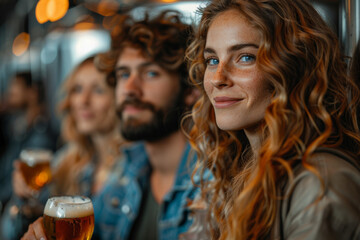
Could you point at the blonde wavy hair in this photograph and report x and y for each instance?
(314, 104)
(82, 148)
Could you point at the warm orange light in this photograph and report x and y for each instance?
(21, 43)
(41, 179)
(84, 26)
(107, 8)
(51, 10)
(56, 9)
(169, 1)
(40, 11)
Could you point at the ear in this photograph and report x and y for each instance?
(191, 96)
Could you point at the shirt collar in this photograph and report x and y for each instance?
(137, 161)
(185, 169)
(140, 165)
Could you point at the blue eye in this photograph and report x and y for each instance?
(99, 90)
(152, 74)
(247, 58)
(211, 61)
(122, 76)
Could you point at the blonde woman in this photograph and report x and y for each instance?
(91, 153)
(277, 123)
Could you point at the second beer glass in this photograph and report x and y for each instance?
(35, 167)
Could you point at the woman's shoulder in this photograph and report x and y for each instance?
(327, 200)
(335, 160)
(326, 163)
(326, 197)
(330, 168)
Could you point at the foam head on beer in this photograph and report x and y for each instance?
(69, 207)
(34, 156)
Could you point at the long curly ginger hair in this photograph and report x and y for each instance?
(314, 104)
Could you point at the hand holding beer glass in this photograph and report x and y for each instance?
(32, 172)
(68, 218)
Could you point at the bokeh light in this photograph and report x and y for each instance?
(51, 10)
(21, 44)
(84, 26)
(41, 179)
(107, 8)
(56, 9)
(40, 11)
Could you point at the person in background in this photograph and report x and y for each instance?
(277, 124)
(150, 200)
(355, 65)
(88, 159)
(24, 125)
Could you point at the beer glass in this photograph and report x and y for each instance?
(35, 167)
(69, 218)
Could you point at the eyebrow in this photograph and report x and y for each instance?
(233, 48)
(141, 66)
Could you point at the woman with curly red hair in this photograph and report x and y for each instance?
(277, 123)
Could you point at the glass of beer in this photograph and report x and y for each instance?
(69, 217)
(35, 167)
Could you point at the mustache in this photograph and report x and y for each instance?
(135, 102)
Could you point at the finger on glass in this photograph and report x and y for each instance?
(35, 231)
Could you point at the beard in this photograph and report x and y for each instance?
(163, 122)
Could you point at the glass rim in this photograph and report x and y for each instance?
(33, 156)
(69, 207)
(84, 200)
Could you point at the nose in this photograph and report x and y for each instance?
(85, 97)
(132, 86)
(221, 77)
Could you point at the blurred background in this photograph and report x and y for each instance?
(49, 37)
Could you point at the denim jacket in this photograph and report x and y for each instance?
(120, 202)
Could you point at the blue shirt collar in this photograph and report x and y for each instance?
(137, 161)
(140, 165)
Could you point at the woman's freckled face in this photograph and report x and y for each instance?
(232, 80)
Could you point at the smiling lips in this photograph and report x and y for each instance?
(224, 102)
(86, 115)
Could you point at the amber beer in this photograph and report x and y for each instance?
(69, 218)
(35, 167)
